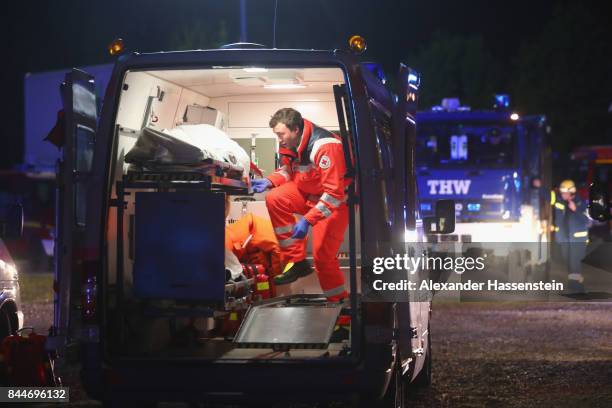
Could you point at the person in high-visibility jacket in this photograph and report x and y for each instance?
(571, 225)
(311, 181)
(252, 240)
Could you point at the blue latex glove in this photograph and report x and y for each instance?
(260, 185)
(301, 229)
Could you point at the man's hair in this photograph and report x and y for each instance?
(289, 117)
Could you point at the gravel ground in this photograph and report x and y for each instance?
(498, 355)
(36, 290)
(521, 355)
(38, 315)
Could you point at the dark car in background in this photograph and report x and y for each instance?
(35, 192)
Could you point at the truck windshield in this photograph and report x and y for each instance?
(458, 145)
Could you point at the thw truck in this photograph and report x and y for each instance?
(496, 166)
(140, 275)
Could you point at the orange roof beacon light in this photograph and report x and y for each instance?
(116, 47)
(357, 44)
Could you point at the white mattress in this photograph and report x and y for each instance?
(214, 143)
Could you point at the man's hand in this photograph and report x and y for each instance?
(260, 185)
(301, 229)
(571, 205)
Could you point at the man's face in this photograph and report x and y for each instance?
(287, 138)
(568, 196)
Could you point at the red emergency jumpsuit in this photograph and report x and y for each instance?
(311, 181)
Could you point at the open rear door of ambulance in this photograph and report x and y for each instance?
(413, 315)
(343, 111)
(75, 278)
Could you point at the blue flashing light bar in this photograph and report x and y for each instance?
(376, 70)
(502, 102)
(473, 206)
(414, 79)
(425, 207)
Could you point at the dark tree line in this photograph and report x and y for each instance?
(563, 68)
(564, 72)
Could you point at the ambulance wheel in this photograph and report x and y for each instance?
(397, 392)
(423, 378)
(396, 395)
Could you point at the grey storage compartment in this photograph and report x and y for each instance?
(179, 246)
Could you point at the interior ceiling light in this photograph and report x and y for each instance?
(284, 86)
(248, 81)
(275, 77)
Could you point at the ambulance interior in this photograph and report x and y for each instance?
(156, 271)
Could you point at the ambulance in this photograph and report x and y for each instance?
(142, 298)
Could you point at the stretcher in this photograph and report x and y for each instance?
(185, 149)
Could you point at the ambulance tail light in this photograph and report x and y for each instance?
(89, 291)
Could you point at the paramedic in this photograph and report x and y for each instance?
(571, 225)
(252, 240)
(311, 181)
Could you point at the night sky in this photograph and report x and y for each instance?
(45, 35)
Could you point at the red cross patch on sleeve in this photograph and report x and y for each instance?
(325, 162)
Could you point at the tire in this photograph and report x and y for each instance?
(397, 393)
(423, 378)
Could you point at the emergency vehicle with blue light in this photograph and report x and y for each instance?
(496, 165)
(141, 287)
